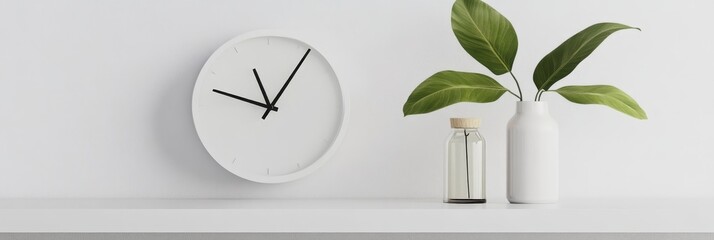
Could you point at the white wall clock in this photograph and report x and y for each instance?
(269, 107)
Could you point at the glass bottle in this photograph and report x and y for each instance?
(464, 167)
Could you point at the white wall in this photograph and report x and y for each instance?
(95, 96)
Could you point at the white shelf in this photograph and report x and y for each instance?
(376, 215)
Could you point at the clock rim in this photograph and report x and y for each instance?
(341, 130)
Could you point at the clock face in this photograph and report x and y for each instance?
(268, 108)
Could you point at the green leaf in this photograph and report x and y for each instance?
(448, 87)
(605, 95)
(563, 60)
(485, 34)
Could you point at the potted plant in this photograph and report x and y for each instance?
(491, 40)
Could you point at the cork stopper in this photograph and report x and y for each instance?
(465, 122)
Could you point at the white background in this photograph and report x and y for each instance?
(95, 97)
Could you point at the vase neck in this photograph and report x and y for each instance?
(532, 107)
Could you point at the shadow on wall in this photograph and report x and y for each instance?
(176, 134)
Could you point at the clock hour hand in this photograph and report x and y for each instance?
(280, 93)
(267, 107)
(262, 90)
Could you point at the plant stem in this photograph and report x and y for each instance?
(541, 94)
(468, 179)
(509, 91)
(537, 96)
(520, 94)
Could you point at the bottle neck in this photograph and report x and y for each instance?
(531, 107)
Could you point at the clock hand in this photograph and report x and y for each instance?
(262, 90)
(280, 93)
(268, 107)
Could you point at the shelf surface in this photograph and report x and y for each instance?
(367, 215)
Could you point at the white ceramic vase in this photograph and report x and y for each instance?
(532, 154)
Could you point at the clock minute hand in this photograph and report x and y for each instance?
(280, 93)
(268, 107)
(262, 90)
